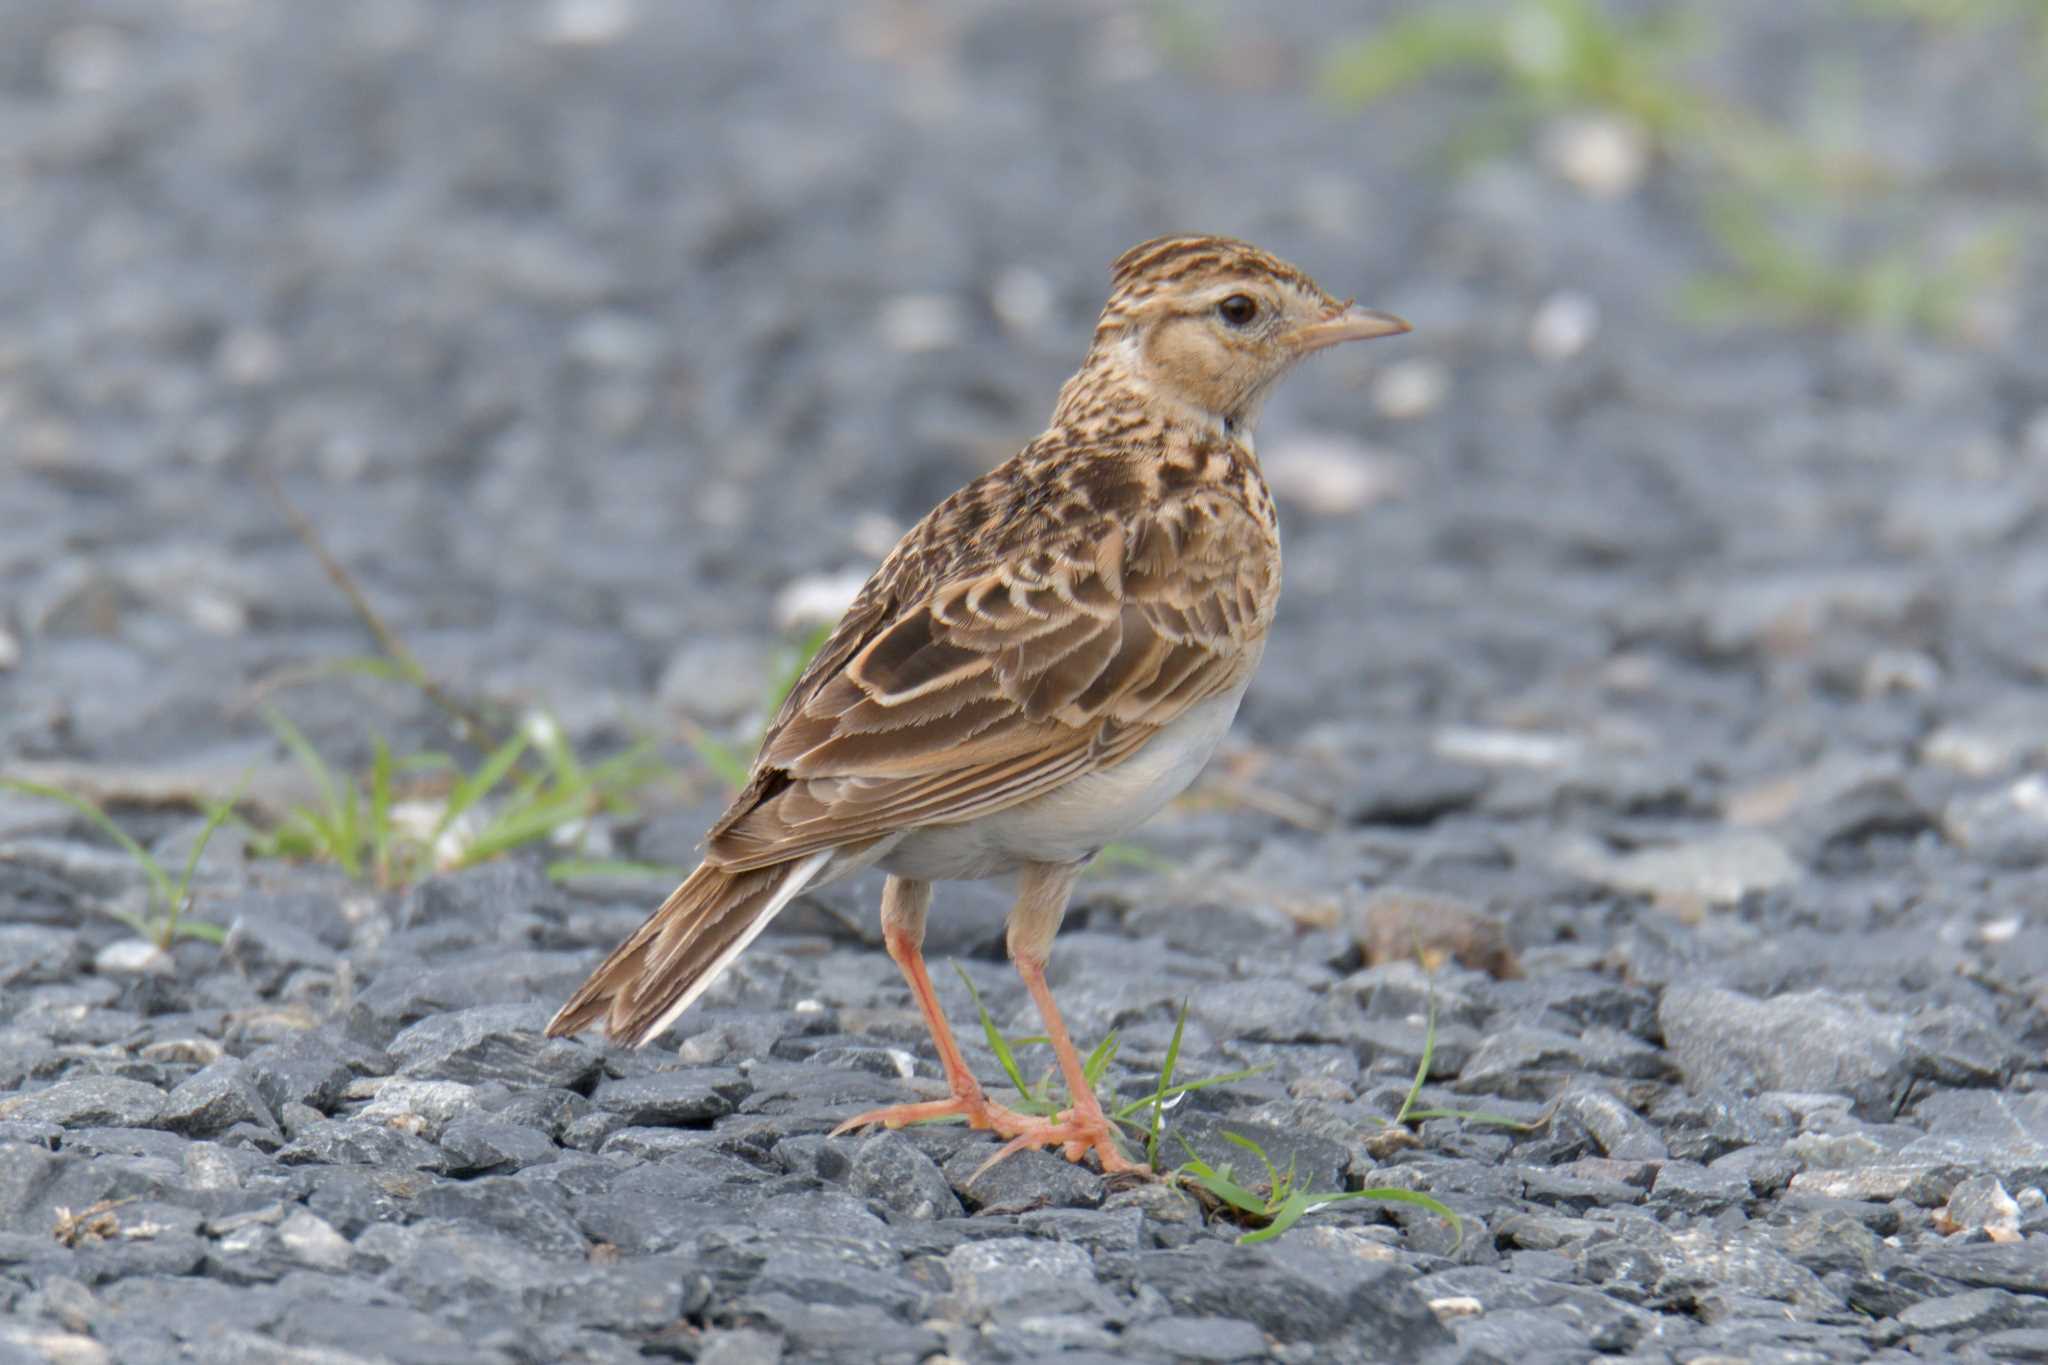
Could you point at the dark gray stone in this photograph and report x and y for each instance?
(534, 1216)
(266, 953)
(1523, 1062)
(1953, 1046)
(889, 1170)
(1708, 1125)
(646, 1295)
(1829, 1240)
(991, 1276)
(306, 1068)
(402, 994)
(1199, 1338)
(31, 954)
(215, 1100)
(1620, 1132)
(475, 1145)
(1097, 1230)
(110, 1101)
(829, 1332)
(1813, 1041)
(1521, 1334)
(1977, 1310)
(1295, 1290)
(2019, 1266)
(2021, 1343)
(26, 1171)
(657, 1208)
(819, 1277)
(690, 1098)
(1032, 1179)
(1692, 1188)
(495, 1043)
(1273, 1010)
(348, 1142)
(479, 901)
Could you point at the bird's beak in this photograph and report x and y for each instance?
(1349, 323)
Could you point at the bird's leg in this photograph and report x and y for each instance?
(1042, 895)
(904, 904)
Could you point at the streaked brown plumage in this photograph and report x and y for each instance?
(1043, 661)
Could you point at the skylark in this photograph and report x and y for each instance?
(1044, 661)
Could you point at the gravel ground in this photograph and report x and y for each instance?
(1687, 685)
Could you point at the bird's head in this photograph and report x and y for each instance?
(1205, 325)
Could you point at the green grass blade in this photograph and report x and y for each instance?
(1390, 1195)
(381, 785)
(570, 869)
(309, 757)
(1285, 1216)
(1189, 1087)
(793, 667)
(1156, 1125)
(172, 927)
(1099, 1060)
(1217, 1181)
(469, 790)
(999, 1044)
(1428, 1056)
(721, 758)
(521, 825)
(159, 880)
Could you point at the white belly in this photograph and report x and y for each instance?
(1072, 821)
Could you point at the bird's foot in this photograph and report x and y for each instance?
(1077, 1133)
(978, 1109)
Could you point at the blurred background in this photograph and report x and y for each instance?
(604, 345)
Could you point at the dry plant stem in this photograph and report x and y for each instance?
(467, 723)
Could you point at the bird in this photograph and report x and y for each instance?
(1038, 666)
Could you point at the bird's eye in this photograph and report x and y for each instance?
(1238, 310)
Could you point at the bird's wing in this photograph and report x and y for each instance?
(992, 685)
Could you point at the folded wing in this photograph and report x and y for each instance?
(996, 683)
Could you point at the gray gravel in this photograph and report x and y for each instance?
(1679, 693)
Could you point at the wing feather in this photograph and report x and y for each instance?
(999, 681)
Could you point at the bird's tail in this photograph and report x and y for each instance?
(669, 961)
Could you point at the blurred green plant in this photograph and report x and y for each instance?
(387, 833)
(1754, 181)
(162, 920)
(1775, 275)
(1269, 1210)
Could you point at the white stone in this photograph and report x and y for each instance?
(133, 957)
(248, 356)
(1506, 748)
(1022, 299)
(1409, 389)
(1563, 325)
(911, 323)
(817, 599)
(313, 1241)
(1329, 473)
(588, 23)
(422, 1108)
(1606, 155)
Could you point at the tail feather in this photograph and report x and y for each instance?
(669, 961)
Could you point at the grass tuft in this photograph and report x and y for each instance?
(1268, 1213)
(163, 922)
(423, 813)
